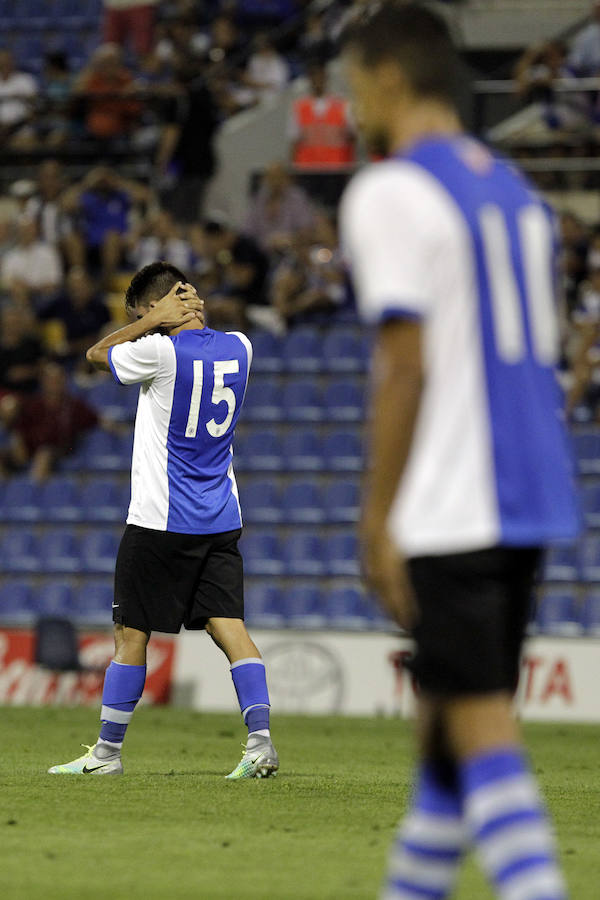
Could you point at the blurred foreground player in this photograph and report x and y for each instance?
(453, 260)
(178, 562)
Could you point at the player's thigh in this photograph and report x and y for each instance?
(219, 593)
(473, 609)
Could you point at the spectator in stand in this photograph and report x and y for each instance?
(44, 426)
(54, 122)
(45, 207)
(280, 211)
(185, 157)
(584, 58)
(321, 129)
(159, 239)
(82, 312)
(107, 89)
(130, 22)
(20, 353)
(575, 241)
(33, 268)
(315, 41)
(18, 93)
(267, 72)
(101, 204)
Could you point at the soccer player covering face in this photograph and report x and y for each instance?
(452, 255)
(178, 562)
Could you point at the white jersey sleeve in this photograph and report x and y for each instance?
(390, 223)
(136, 361)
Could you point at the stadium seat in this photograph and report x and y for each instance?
(261, 502)
(267, 352)
(342, 502)
(557, 614)
(342, 452)
(302, 401)
(15, 602)
(94, 601)
(105, 452)
(342, 554)
(263, 400)
(104, 500)
(20, 552)
(304, 554)
(589, 553)
(302, 351)
(259, 451)
(562, 563)
(345, 350)
(55, 598)
(302, 451)
(60, 500)
(346, 608)
(344, 402)
(590, 498)
(59, 549)
(21, 501)
(262, 554)
(99, 551)
(586, 445)
(264, 606)
(590, 614)
(302, 503)
(305, 607)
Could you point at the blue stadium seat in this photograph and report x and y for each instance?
(20, 552)
(344, 402)
(557, 614)
(116, 400)
(345, 350)
(60, 500)
(589, 554)
(261, 502)
(304, 554)
(302, 401)
(267, 352)
(15, 602)
(94, 601)
(346, 608)
(303, 351)
(302, 451)
(590, 615)
(104, 500)
(55, 598)
(305, 607)
(259, 451)
(562, 562)
(586, 445)
(342, 451)
(263, 400)
(590, 498)
(107, 452)
(302, 503)
(99, 549)
(60, 551)
(264, 606)
(72, 14)
(262, 554)
(342, 502)
(21, 501)
(342, 555)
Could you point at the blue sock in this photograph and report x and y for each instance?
(508, 825)
(425, 858)
(250, 683)
(123, 687)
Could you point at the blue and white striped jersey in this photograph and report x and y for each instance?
(451, 235)
(192, 390)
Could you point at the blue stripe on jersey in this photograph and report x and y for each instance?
(201, 495)
(533, 467)
(111, 365)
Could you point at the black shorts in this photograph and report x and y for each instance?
(473, 610)
(164, 580)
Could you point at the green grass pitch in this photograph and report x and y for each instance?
(173, 828)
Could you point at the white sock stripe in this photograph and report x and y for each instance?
(244, 662)
(536, 883)
(508, 796)
(126, 665)
(429, 874)
(255, 706)
(516, 842)
(434, 832)
(118, 716)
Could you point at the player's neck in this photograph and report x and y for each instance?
(423, 120)
(192, 325)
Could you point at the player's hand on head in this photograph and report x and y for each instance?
(180, 305)
(385, 573)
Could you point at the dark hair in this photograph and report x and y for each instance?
(417, 39)
(151, 283)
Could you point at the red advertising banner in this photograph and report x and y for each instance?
(22, 682)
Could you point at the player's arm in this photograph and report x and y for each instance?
(176, 308)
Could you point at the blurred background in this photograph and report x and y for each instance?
(216, 134)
